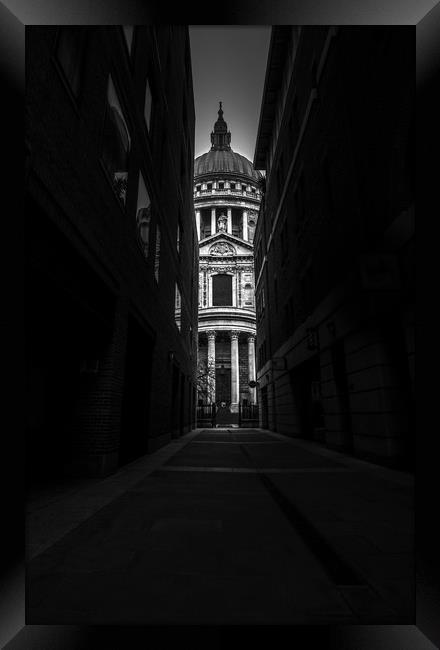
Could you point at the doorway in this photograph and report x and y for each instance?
(223, 384)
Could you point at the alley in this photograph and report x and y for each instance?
(225, 526)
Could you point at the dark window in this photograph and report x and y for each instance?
(177, 307)
(143, 216)
(157, 254)
(232, 186)
(148, 104)
(179, 242)
(237, 223)
(209, 187)
(116, 142)
(221, 186)
(222, 289)
(259, 259)
(128, 34)
(70, 54)
(205, 223)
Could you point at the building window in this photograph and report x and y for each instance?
(259, 259)
(237, 222)
(177, 307)
(147, 105)
(157, 254)
(209, 187)
(116, 142)
(70, 55)
(221, 186)
(221, 290)
(143, 216)
(205, 223)
(260, 304)
(128, 35)
(232, 185)
(179, 242)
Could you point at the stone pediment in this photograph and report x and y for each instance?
(225, 245)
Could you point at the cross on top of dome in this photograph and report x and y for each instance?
(220, 137)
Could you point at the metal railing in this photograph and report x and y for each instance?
(217, 192)
(248, 415)
(205, 415)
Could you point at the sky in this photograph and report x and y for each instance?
(228, 65)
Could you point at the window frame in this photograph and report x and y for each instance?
(122, 204)
(145, 248)
(229, 288)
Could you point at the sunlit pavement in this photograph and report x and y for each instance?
(233, 526)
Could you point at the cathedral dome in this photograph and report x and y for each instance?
(224, 161)
(221, 158)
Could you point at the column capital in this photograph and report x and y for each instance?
(211, 334)
(234, 334)
(251, 338)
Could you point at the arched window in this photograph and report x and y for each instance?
(221, 290)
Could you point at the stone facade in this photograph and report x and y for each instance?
(226, 201)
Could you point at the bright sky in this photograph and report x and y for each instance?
(228, 65)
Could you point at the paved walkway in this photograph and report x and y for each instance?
(226, 527)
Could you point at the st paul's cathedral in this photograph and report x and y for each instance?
(226, 200)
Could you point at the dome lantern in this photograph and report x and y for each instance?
(220, 137)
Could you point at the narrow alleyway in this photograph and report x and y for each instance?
(226, 526)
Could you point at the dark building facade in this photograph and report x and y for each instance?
(334, 239)
(112, 256)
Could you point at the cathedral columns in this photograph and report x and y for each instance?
(229, 212)
(213, 224)
(245, 226)
(211, 365)
(251, 361)
(198, 223)
(235, 377)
